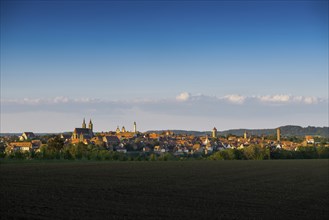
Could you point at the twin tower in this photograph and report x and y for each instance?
(90, 125)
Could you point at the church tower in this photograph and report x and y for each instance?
(135, 129)
(90, 126)
(214, 132)
(84, 123)
(278, 134)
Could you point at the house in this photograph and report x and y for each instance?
(158, 149)
(146, 149)
(241, 146)
(186, 150)
(20, 146)
(121, 150)
(111, 140)
(178, 151)
(97, 140)
(26, 136)
(24, 146)
(208, 149)
(66, 136)
(36, 144)
(154, 136)
(309, 140)
(205, 141)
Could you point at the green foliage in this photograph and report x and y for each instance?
(254, 152)
(229, 154)
(166, 156)
(55, 143)
(295, 139)
(323, 152)
(20, 155)
(55, 151)
(284, 154)
(153, 157)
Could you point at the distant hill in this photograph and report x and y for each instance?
(288, 130)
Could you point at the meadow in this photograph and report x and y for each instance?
(240, 189)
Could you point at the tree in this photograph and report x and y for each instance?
(55, 143)
(255, 152)
(323, 152)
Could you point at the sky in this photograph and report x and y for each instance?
(186, 65)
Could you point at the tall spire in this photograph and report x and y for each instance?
(90, 126)
(84, 123)
(214, 132)
(278, 135)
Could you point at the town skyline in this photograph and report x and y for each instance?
(188, 65)
(134, 128)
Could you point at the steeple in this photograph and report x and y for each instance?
(90, 126)
(214, 132)
(278, 135)
(84, 123)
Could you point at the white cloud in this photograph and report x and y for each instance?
(236, 99)
(310, 100)
(192, 111)
(55, 100)
(275, 98)
(240, 99)
(60, 99)
(184, 96)
(289, 99)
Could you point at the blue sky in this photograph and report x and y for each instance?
(164, 64)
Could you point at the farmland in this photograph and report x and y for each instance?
(165, 190)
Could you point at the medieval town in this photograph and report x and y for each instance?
(162, 142)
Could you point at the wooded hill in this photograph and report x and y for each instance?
(288, 131)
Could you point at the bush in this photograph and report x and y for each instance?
(323, 152)
(308, 152)
(254, 152)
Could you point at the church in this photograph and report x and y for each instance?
(83, 134)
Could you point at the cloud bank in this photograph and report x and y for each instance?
(240, 99)
(182, 97)
(185, 111)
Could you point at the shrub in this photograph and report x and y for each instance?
(254, 152)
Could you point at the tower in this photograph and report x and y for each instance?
(278, 134)
(81, 137)
(117, 130)
(245, 135)
(135, 129)
(84, 123)
(90, 126)
(214, 132)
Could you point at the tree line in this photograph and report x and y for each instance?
(55, 149)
